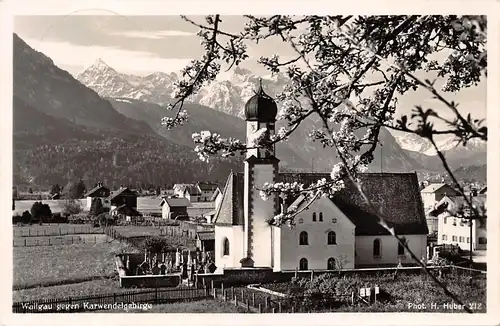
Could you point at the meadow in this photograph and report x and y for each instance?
(52, 265)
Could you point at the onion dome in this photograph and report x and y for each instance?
(261, 107)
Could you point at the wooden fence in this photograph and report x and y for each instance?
(260, 302)
(57, 241)
(110, 301)
(59, 231)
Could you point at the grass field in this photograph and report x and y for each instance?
(39, 266)
(202, 306)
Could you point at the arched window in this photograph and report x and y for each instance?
(332, 238)
(330, 264)
(303, 266)
(314, 217)
(321, 216)
(376, 248)
(303, 238)
(225, 247)
(401, 249)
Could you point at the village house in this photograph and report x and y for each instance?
(173, 207)
(454, 226)
(207, 190)
(180, 188)
(192, 193)
(217, 197)
(122, 197)
(126, 213)
(205, 240)
(338, 232)
(434, 192)
(100, 192)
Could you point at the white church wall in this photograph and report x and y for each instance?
(261, 212)
(235, 235)
(389, 250)
(317, 252)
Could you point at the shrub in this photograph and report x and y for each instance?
(16, 218)
(26, 217)
(71, 207)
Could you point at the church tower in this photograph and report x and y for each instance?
(261, 166)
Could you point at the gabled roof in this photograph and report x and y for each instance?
(395, 195)
(433, 187)
(192, 190)
(92, 191)
(207, 186)
(176, 202)
(453, 205)
(230, 211)
(182, 186)
(206, 235)
(217, 191)
(122, 191)
(126, 210)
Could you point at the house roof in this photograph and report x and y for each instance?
(215, 194)
(396, 198)
(92, 191)
(176, 202)
(182, 186)
(121, 191)
(206, 235)
(207, 186)
(396, 195)
(230, 211)
(433, 187)
(454, 205)
(126, 210)
(192, 190)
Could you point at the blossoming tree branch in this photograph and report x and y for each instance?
(348, 72)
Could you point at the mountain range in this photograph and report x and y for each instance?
(105, 125)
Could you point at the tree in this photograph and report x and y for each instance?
(30, 190)
(96, 207)
(40, 211)
(55, 189)
(348, 73)
(76, 190)
(26, 217)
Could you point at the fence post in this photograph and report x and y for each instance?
(293, 309)
(29, 232)
(114, 297)
(25, 242)
(214, 292)
(260, 308)
(266, 303)
(235, 300)
(49, 242)
(95, 239)
(253, 299)
(248, 305)
(224, 294)
(207, 291)
(232, 291)
(274, 310)
(352, 297)
(156, 295)
(279, 307)
(242, 294)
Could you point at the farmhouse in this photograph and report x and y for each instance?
(122, 196)
(125, 212)
(99, 191)
(173, 207)
(205, 240)
(180, 188)
(454, 226)
(338, 232)
(192, 193)
(207, 190)
(434, 192)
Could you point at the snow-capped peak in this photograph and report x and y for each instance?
(100, 64)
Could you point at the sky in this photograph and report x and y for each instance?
(141, 45)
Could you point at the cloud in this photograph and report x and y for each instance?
(65, 54)
(154, 35)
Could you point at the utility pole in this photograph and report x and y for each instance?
(470, 224)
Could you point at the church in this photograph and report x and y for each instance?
(332, 233)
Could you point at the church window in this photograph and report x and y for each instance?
(225, 247)
(303, 265)
(314, 217)
(330, 264)
(303, 238)
(376, 248)
(331, 238)
(401, 249)
(321, 216)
